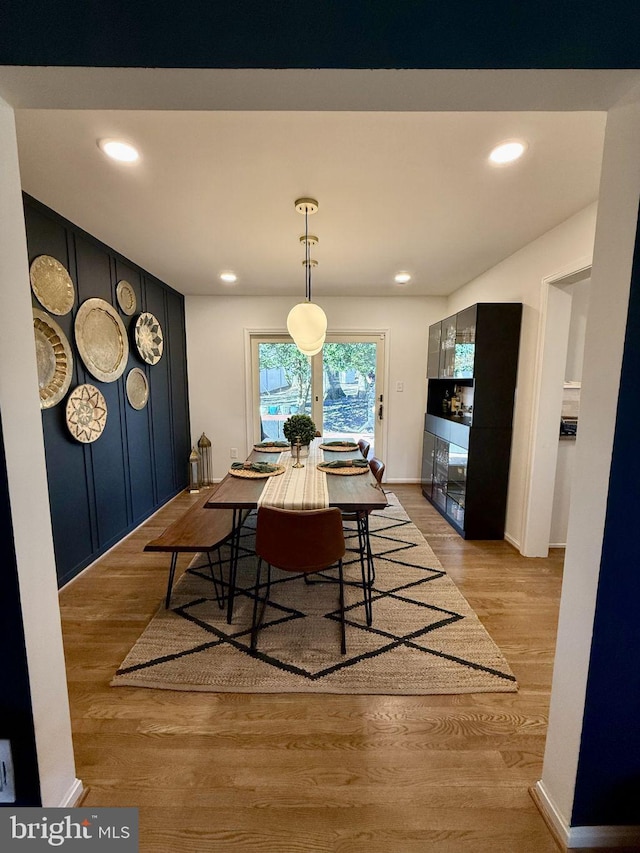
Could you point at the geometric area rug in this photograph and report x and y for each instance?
(425, 638)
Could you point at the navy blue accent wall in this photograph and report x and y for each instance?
(100, 491)
(608, 780)
(331, 34)
(16, 720)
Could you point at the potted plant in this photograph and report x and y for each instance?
(299, 426)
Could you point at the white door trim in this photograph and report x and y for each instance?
(555, 316)
(250, 380)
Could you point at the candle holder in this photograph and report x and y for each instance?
(204, 448)
(194, 472)
(298, 445)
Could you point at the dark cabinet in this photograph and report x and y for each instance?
(467, 431)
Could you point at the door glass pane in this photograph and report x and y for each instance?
(349, 390)
(285, 386)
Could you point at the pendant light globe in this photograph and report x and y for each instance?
(306, 323)
(314, 349)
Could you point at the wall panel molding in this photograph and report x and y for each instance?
(101, 491)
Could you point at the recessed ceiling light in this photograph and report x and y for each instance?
(124, 152)
(507, 152)
(228, 277)
(402, 278)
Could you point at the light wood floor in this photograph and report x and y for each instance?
(312, 773)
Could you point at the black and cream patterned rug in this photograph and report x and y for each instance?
(425, 637)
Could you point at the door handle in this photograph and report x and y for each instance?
(380, 412)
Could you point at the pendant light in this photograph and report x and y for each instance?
(307, 322)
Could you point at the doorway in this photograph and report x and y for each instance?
(340, 388)
(553, 348)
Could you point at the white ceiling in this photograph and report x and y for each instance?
(215, 189)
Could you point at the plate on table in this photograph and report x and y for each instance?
(248, 474)
(53, 358)
(272, 448)
(347, 471)
(101, 339)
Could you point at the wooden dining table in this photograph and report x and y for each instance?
(359, 494)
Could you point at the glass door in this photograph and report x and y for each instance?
(348, 396)
(282, 383)
(340, 387)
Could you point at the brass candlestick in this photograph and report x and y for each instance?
(298, 445)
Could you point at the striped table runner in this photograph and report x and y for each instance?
(298, 488)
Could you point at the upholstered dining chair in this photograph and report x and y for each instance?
(300, 541)
(364, 446)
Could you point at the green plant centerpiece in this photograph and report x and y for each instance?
(299, 426)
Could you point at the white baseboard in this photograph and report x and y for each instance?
(72, 796)
(557, 544)
(512, 541)
(578, 837)
(401, 480)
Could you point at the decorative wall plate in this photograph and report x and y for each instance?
(126, 297)
(137, 388)
(101, 339)
(149, 338)
(86, 413)
(54, 359)
(52, 284)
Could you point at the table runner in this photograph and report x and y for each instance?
(298, 488)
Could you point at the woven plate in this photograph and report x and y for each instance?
(336, 447)
(149, 337)
(343, 472)
(86, 413)
(271, 449)
(255, 475)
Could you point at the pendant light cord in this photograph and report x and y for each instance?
(307, 256)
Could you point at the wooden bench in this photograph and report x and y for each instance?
(198, 530)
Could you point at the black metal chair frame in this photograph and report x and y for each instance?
(256, 621)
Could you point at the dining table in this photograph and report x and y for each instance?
(305, 487)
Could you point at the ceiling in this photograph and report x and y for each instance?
(215, 191)
(396, 159)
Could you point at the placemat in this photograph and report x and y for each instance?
(256, 475)
(343, 472)
(344, 448)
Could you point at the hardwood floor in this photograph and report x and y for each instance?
(316, 773)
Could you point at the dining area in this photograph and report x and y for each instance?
(300, 496)
(303, 574)
(305, 510)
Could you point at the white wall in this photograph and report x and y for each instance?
(28, 493)
(216, 366)
(518, 279)
(604, 342)
(580, 292)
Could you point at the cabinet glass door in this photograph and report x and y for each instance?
(433, 353)
(447, 347)
(428, 455)
(465, 346)
(440, 473)
(457, 482)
